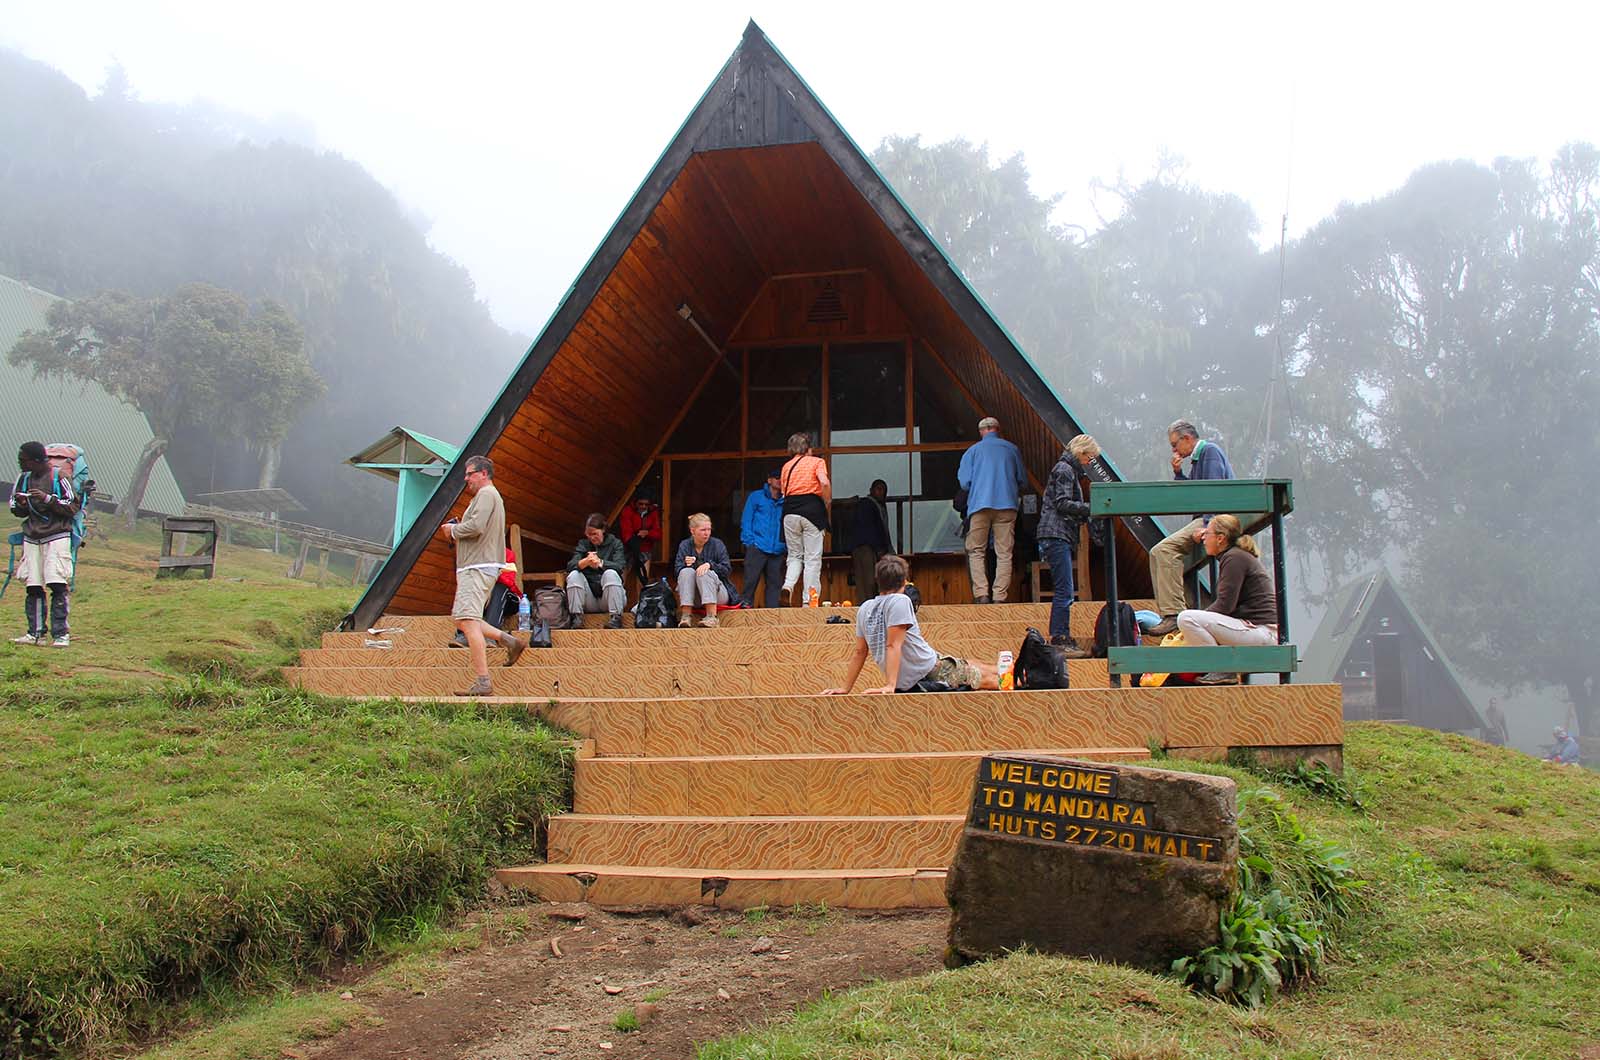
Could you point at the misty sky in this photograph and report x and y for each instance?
(521, 132)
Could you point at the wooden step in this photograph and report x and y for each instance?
(756, 842)
(614, 886)
(778, 785)
(1194, 719)
(789, 676)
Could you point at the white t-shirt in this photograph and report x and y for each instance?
(917, 657)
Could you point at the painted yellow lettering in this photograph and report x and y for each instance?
(1089, 834)
(997, 770)
(1102, 784)
(1047, 830)
(1073, 831)
(1138, 817)
(1014, 773)
(1030, 801)
(1030, 824)
(996, 822)
(1049, 777)
(1007, 798)
(1013, 824)
(1102, 812)
(988, 795)
(1028, 777)
(1169, 848)
(1152, 845)
(1049, 805)
(1205, 850)
(1119, 813)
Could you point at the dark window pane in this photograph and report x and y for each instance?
(714, 487)
(712, 425)
(785, 394)
(867, 394)
(941, 413)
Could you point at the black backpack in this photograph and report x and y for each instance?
(1127, 630)
(655, 606)
(1039, 664)
(550, 604)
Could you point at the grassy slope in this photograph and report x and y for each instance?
(164, 836)
(1479, 937)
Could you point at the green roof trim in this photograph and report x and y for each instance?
(47, 409)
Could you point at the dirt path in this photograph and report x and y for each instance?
(695, 975)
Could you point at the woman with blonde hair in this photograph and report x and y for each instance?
(807, 494)
(1245, 611)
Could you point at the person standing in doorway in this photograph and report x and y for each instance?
(43, 498)
(992, 475)
(480, 541)
(870, 538)
(761, 533)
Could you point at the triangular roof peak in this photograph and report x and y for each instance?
(760, 184)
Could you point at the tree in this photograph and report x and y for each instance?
(196, 357)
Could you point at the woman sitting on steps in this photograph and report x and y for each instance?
(1245, 611)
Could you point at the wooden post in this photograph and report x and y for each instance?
(322, 567)
(298, 567)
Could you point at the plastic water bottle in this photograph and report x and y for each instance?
(524, 615)
(1004, 665)
(813, 597)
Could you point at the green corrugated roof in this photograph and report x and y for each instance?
(112, 432)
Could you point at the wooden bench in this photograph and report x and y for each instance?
(176, 563)
(1221, 658)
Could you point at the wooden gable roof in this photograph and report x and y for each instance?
(760, 182)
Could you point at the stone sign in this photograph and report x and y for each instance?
(1091, 859)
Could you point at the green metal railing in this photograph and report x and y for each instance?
(1258, 503)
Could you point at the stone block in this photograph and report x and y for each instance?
(1092, 859)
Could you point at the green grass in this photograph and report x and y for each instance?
(1477, 935)
(171, 841)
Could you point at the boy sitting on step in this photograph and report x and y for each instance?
(887, 629)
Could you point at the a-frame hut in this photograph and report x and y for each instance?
(764, 279)
(1372, 644)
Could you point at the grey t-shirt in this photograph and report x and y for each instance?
(917, 658)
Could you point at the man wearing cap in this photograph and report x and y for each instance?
(992, 475)
(761, 533)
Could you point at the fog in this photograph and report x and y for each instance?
(521, 130)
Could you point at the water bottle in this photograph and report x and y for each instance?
(524, 615)
(1004, 665)
(813, 597)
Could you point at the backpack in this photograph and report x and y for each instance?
(1127, 630)
(550, 606)
(1039, 664)
(655, 606)
(69, 461)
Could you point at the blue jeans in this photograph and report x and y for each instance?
(1058, 553)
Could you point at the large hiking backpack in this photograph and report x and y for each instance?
(1127, 630)
(1039, 664)
(550, 604)
(655, 606)
(69, 462)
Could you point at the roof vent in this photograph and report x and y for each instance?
(828, 307)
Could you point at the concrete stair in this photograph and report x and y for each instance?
(710, 772)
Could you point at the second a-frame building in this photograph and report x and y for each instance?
(764, 279)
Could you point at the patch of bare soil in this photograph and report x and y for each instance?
(686, 978)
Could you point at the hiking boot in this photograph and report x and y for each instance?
(984, 599)
(514, 647)
(575, 621)
(614, 622)
(1168, 624)
(1217, 678)
(27, 638)
(60, 642)
(480, 687)
(1070, 649)
(710, 621)
(685, 618)
(458, 641)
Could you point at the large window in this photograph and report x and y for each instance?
(867, 394)
(852, 398)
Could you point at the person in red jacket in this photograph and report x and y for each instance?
(640, 533)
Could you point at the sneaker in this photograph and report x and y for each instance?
(1069, 648)
(614, 622)
(685, 619)
(26, 638)
(984, 599)
(458, 641)
(709, 622)
(480, 687)
(1217, 678)
(1168, 624)
(62, 641)
(575, 622)
(514, 647)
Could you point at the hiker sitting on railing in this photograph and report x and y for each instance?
(1245, 611)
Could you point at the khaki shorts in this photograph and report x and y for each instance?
(472, 592)
(49, 563)
(953, 672)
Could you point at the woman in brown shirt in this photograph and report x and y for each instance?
(1245, 610)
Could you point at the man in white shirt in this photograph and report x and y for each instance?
(887, 630)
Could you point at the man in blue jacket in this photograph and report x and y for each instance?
(1167, 559)
(991, 473)
(761, 533)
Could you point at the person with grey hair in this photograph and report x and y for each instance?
(992, 476)
(479, 537)
(1063, 511)
(1167, 558)
(594, 575)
